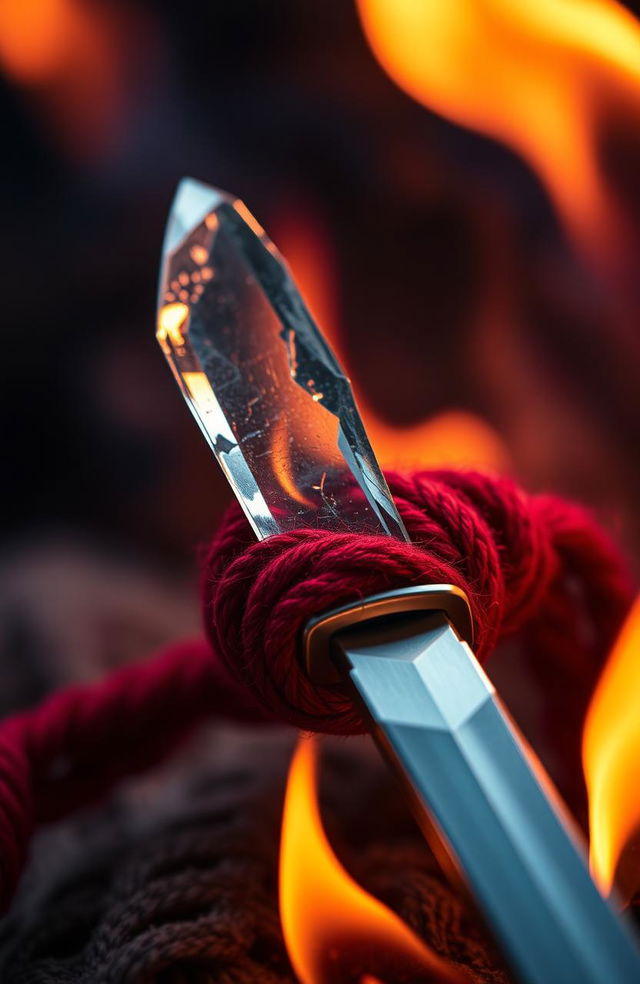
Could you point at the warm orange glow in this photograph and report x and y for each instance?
(199, 255)
(281, 460)
(200, 390)
(611, 753)
(456, 438)
(170, 321)
(42, 41)
(69, 55)
(250, 219)
(537, 75)
(35, 37)
(335, 932)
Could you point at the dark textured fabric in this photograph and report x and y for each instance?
(175, 880)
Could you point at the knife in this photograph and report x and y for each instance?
(277, 410)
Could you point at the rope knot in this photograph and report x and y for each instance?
(533, 563)
(508, 551)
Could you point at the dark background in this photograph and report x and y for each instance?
(452, 287)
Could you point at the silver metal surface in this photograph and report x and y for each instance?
(445, 598)
(483, 802)
(278, 412)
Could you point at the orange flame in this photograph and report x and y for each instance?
(335, 932)
(540, 76)
(534, 75)
(610, 754)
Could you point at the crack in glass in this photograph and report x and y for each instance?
(267, 391)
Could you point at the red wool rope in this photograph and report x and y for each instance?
(524, 561)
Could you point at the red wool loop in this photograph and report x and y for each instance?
(533, 562)
(72, 749)
(512, 554)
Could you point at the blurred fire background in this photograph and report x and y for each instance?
(434, 252)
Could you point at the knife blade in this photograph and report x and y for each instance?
(277, 410)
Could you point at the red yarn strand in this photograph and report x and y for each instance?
(525, 562)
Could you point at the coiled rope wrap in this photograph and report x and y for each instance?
(515, 556)
(522, 560)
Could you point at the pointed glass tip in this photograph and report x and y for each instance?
(260, 379)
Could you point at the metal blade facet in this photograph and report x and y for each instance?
(264, 386)
(483, 801)
(279, 414)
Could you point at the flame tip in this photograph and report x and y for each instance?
(343, 926)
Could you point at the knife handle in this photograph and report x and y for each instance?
(481, 798)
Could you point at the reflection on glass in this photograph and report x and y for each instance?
(263, 384)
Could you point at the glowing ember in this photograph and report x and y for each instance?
(335, 932)
(610, 753)
(537, 76)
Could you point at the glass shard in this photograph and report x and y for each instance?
(264, 386)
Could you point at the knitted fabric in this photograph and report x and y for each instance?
(72, 748)
(186, 893)
(523, 561)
